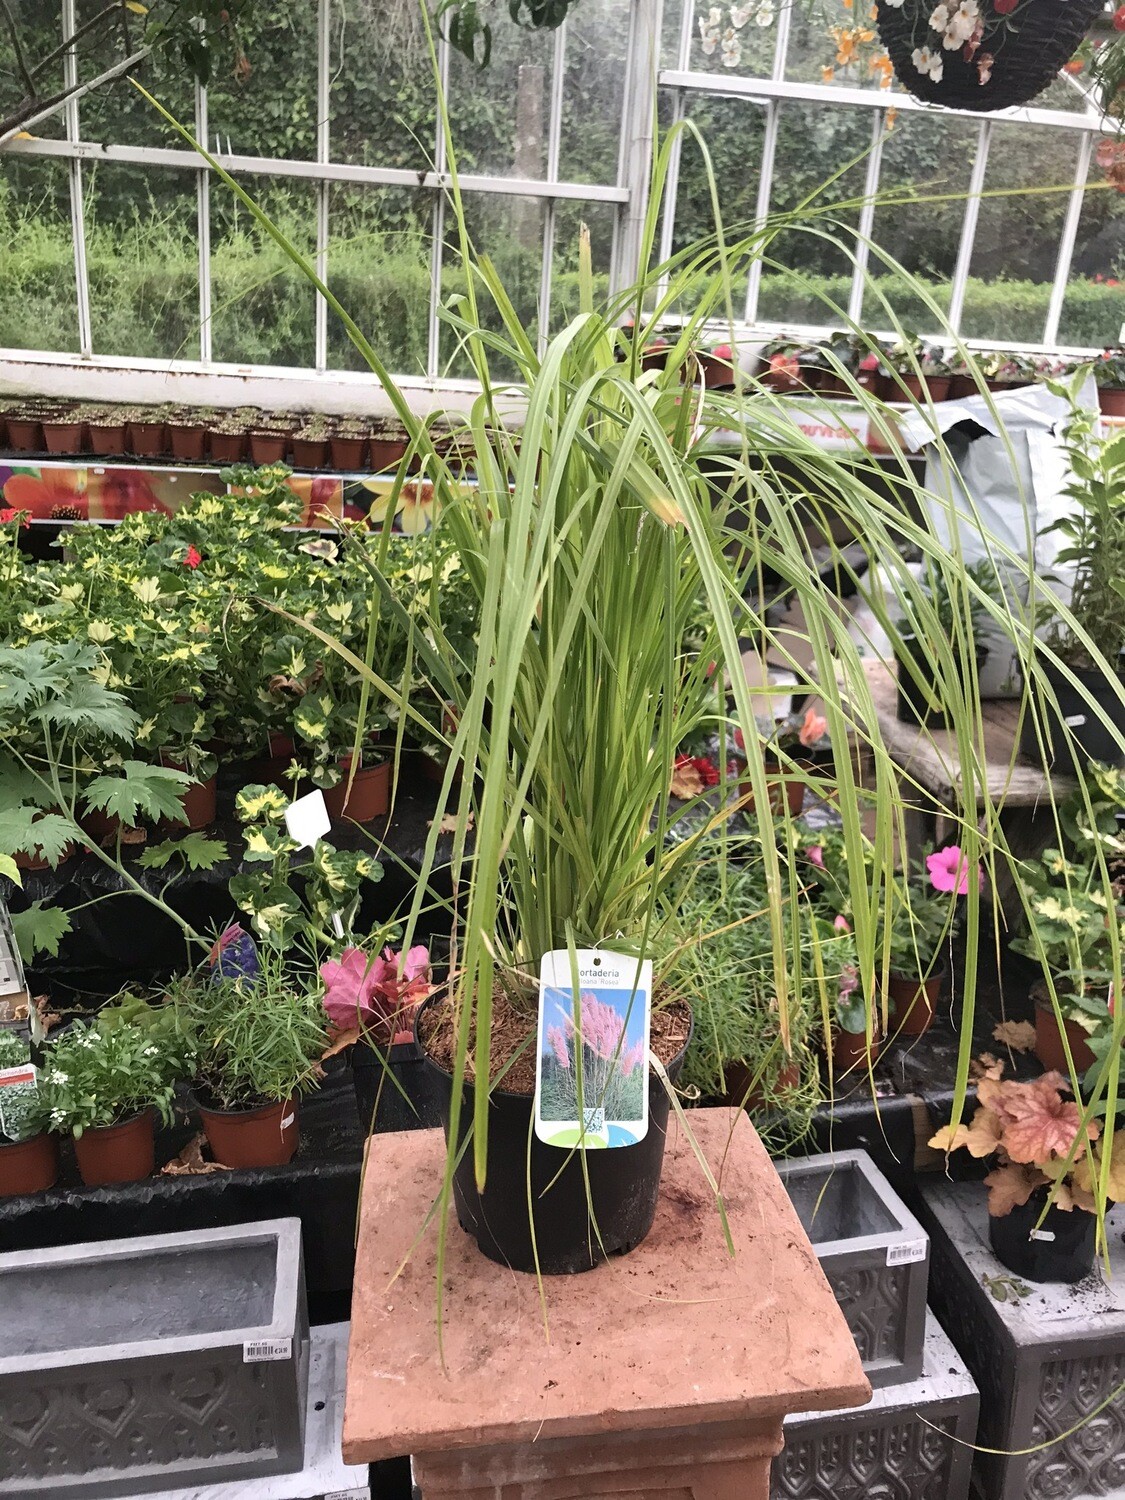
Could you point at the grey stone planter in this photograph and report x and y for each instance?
(906, 1442)
(153, 1361)
(874, 1253)
(1044, 1362)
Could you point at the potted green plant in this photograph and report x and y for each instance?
(103, 1085)
(187, 432)
(270, 436)
(310, 441)
(785, 746)
(147, 431)
(787, 366)
(258, 1036)
(922, 922)
(1076, 704)
(1109, 373)
(857, 1034)
(229, 435)
(29, 1152)
(106, 426)
(946, 620)
(386, 446)
(347, 441)
(1041, 1223)
(65, 433)
(918, 369)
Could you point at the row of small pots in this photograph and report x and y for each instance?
(193, 443)
(926, 388)
(266, 1136)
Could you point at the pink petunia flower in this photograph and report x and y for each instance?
(949, 870)
(815, 856)
(841, 923)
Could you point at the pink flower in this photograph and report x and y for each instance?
(193, 558)
(815, 855)
(813, 729)
(949, 870)
(371, 992)
(841, 923)
(849, 981)
(10, 513)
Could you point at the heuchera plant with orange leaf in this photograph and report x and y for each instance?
(1038, 1139)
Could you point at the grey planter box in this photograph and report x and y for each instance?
(133, 1363)
(874, 1253)
(1044, 1362)
(907, 1442)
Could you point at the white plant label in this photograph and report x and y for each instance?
(1075, 721)
(258, 1351)
(1046, 1235)
(362, 1493)
(907, 1253)
(307, 820)
(591, 1070)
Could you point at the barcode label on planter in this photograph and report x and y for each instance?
(906, 1254)
(1046, 1235)
(255, 1351)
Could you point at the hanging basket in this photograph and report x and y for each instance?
(982, 54)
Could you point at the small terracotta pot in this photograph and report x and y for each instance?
(147, 439)
(188, 442)
(369, 797)
(781, 792)
(25, 434)
(739, 1080)
(961, 386)
(37, 862)
(29, 1166)
(64, 438)
(998, 386)
(228, 447)
(310, 453)
(268, 447)
(938, 387)
(716, 373)
(347, 452)
(282, 747)
(912, 1003)
(385, 454)
(1111, 400)
(828, 383)
(1049, 1046)
(117, 1153)
(262, 1137)
(876, 384)
(107, 439)
(850, 1051)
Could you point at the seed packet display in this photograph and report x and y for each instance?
(591, 1076)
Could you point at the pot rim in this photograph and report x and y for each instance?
(253, 1109)
(499, 1093)
(32, 1140)
(124, 1124)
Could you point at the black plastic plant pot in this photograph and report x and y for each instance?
(624, 1183)
(380, 1105)
(1092, 740)
(1063, 1247)
(912, 707)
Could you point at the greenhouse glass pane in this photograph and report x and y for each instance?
(116, 113)
(379, 268)
(509, 230)
(263, 308)
(39, 25)
(381, 101)
(737, 40)
(836, 42)
(38, 306)
(807, 277)
(499, 115)
(923, 158)
(597, 36)
(142, 261)
(1094, 307)
(272, 111)
(1017, 243)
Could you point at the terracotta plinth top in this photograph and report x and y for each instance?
(675, 1333)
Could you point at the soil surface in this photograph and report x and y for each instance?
(513, 1037)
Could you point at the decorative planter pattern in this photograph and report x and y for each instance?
(158, 1361)
(874, 1253)
(1045, 1362)
(909, 1440)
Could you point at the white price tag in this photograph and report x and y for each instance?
(257, 1351)
(1046, 1235)
(362, 1493)
(907, 1253)
(1075, 721)
(307, 820)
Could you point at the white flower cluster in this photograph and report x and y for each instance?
(958, 26)
(712, 34)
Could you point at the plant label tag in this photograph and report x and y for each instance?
(307, 820)
(19, 1095)
(907, 1253)
(1075, 721)
(1046, 1235)
(591, 1069)
(258, 1351)
(363, 1492)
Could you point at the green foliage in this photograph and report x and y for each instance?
(257, 1040)
(39, 929)
(139, 792)
(195, 850)
(21, 1111)
(98, 1076)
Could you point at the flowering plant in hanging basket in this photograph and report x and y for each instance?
(981, 54)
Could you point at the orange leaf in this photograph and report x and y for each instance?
(1009, 1186)
(985, 1066)
(341, 1040)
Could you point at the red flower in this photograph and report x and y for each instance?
(708, 770)
(1005, 7)
(1119, 18)
(10, 513)
(193, 558)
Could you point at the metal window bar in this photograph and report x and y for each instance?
(969, 228)
(867, 217)
(203, 229)
(77, 201)
(1068, 239)
(554, 148)
(637, 138)
(769, 155)
(672, 180)
(323, 47)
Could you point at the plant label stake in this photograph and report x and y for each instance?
(591, 1070)
(306, 822)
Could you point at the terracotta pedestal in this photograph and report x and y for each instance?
(662, 1375)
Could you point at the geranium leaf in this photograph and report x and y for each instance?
(140, 791)
(196, 849)
(40, 929)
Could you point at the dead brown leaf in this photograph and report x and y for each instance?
(1019, 1035)
(190, 1162)
(341, 1040)
(48, 1018)
(985, 1066)
(686, 781)
(449, 823)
